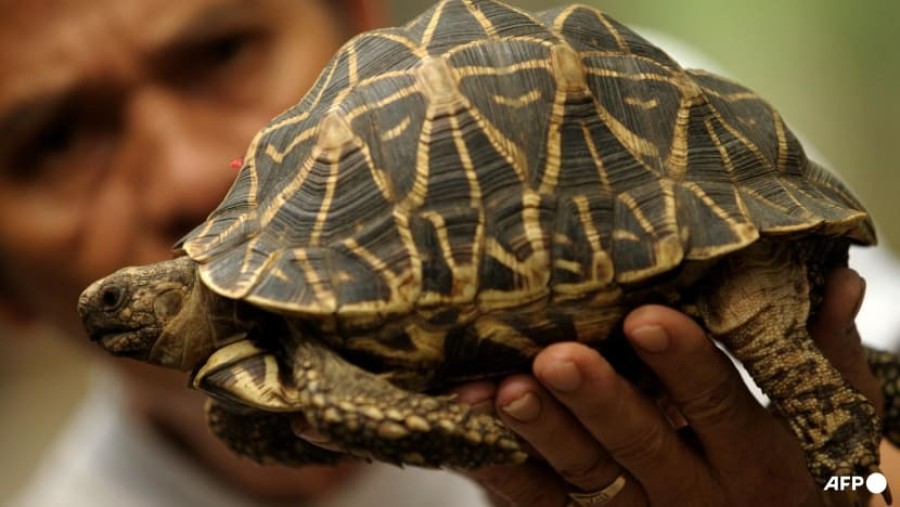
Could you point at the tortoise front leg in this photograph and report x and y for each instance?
(759, 307)
(264, 437)
(369, 417)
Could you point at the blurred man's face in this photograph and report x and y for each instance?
(118, 120)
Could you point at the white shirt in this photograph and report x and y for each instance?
(105, 459)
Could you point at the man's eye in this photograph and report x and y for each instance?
(46, 147)
(55, 139)
(224, 50)
(204, 65)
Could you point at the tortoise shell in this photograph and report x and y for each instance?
(485, 157)
(456, 194)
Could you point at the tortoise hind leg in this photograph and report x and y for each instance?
(264, 437)
(759, 307)
(369, 417)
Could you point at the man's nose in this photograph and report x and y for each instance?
(180, 155)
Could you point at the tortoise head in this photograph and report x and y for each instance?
(151, 313)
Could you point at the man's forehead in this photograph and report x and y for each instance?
(47, 46)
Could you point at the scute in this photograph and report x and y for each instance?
(403, 179)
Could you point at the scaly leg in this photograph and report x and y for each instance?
(758, 308)
(369, 417)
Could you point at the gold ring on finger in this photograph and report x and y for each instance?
(600, 497)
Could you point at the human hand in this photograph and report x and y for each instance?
(588, 426)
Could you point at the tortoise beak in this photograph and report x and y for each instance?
(105, 319)
(98, 308)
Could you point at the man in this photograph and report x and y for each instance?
(118, 121)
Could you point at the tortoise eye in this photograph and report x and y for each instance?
(112, 297)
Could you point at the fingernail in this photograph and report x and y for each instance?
(651, 338)
(563, 376)
(862, 296)
(525, 408)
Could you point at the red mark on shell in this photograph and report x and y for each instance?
(237, 163)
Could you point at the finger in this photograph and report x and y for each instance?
(834, 332)
(625, 422)
(737, 434)
(478, 395)
(574, 462)
(507, 485)
(530, 411)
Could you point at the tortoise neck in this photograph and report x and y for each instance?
(205, 322)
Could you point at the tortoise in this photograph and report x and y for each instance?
(454, 195)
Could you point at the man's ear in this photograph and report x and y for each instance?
(363, 15)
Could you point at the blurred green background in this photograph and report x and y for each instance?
(831, 67)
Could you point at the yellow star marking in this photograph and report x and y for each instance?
(295, 119)
(327, 199)
(299, 179)
(598, 161)
(781, 135)
(638, 212)
(646, 105)
(400, 94)
(416, 196)
(567, 265)
(554, 143)
(393, 37)
(403, 291)
(676, 163)
(504, 146)
(437, 81)
(750, 145)
(485, 23)
(397, 130)
(523, 100)
(432, 24)
(277, 156)
(745, 231)
(494, 330)
(478, 70)
(567, 68)
(563, 16)
(468, 166)
(723, 152)
(620, 41)
(587, 223)
(531, 222)
(632, 76)
(334, 133)
(624, 235)
(636, 145)
(352, 65)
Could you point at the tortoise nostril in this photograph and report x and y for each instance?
(112, 297)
